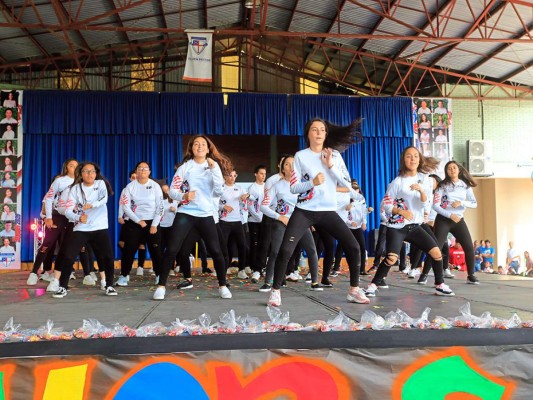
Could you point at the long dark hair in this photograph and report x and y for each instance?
(223, 161)
(337, 137)
(78, 180)
(282, 162)
(64, 168)
(10, 146)
(463, 175)
(426, 164)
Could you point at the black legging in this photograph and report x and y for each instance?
(444, 225)
(135, 235)
(51, 237)
(255, 239)
(183, 223)
(101, 244)
(380, 245)
(329, 222)
(264, 245)
(413, 233)
(360, 237)
(445, 250)
(328, 242)
(236, 230)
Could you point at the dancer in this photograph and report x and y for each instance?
(142, 203)
(406, 200)
(55, 222)
(87, 207)
(257, 193)
(283, 202)
(453, 195)
(197, 180)
(317, 171)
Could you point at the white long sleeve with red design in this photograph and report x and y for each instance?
(231, 196)
(449, 193)
(279, 201)
(206, 182)
(53, 195)
(307, 165)
(80, 195)
(143, 201)
(257, 193)
(400, 195)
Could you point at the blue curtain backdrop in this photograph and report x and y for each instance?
(116, 130)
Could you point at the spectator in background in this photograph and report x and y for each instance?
(529, 264)
(488, 254)
(457, 257)
(477, 256)
(513, 260)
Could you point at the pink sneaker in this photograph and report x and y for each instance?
(275, 298)
(357, 296)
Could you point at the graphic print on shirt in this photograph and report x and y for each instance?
(397, 218)
(306, 196)
(282, 208)
(184, 188)
(222, 213)
(444, 202)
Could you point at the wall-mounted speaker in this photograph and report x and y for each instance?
(480, 157)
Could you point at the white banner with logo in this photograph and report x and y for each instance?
(199, 56)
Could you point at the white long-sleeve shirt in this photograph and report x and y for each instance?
(447, 194)
(279, 201)
(231, 196)
(399, 195)
(53, 195)
(168, 216)
(143, 201)
(96, 195)
(257, 194)
(307, 165)
(206, 182)
(358, 213)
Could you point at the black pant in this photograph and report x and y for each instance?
(101, 244)
(51, 237)
(264, 245)
(444, 225)
(380, 245)
(329, 222)
(328, 242)
(412, 233)
(255, 239)
(183, 223)
(360, 237)
(134, 235)
(445, 250)
(234, 229)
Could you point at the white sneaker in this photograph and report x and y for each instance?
(88, 280)
(357, 296)
(53, 286)
(127, 278)
(242, 274)
(47, 276)
(292, 277)
(275, 298)
(448, 274)
(443, 290)
(103, 284)
(122, 281)
(172, 273)
(159, 293)
(156, 280)
(140, 271)
(32, 279)
(214, 273)
(72, 276)
(248, 270)
(93, 274)
(413, 273)
(371, 290)
(407, 270)
(308, 278)
(256, 276)
(224, 292)
(110, 291)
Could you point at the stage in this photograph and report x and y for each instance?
(369, 362)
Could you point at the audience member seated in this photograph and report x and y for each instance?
(513, 260)
(529, 264)
(487, 253)
(478, 260)
(457, 257)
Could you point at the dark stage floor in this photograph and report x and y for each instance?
(32, 306)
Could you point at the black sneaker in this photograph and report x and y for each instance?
(363, 272)
(326, 283)
(185, 284)
(334, 273)
(316, 287)
(207, 271)
(62, 292)
(284, 283)
(265, 288)
(381, 284)
(471, 279)
(423, 279)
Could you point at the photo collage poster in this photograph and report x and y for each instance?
(432, 127)
(11, 170)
